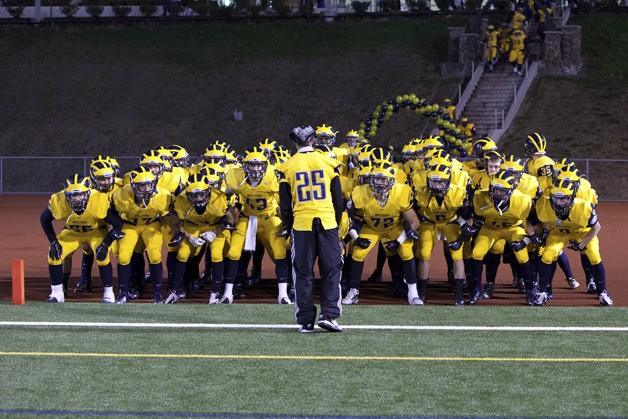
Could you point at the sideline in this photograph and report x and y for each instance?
(294, 326)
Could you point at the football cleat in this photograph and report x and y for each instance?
(226, 299)
(83, 285)
(458, 303)
(573, 284)
(489, 288)
(306, 328)
(476, 295)
(121, 299)
(541, 299)
(352, 297)
(172, 298)
(108, 300)
(329, 324)
(415, 301)
(52, 299)
(213, 298)
(605, 299)
(157, 298)
(591, 288)
(284, 300)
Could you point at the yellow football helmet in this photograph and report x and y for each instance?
(434, 141)
(500, 189)
(153, 161)
(352, 138)
(215, 154)
(408, 152)
(481, 146)
(439, 180)
(255, 164)
(77, 192)
(198, 190)
(180, 156)
(382, 178)
(101, 175)
(325, 135)
(143, 183)
(562, 197)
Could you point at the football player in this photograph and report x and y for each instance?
(141, 204)
(201, 217)
(257, 189)
(84, 212)
(570, 221)
(382, 211)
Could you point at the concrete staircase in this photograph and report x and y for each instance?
(492, 98)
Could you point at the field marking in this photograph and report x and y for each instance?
(308, 357)
(293, 326)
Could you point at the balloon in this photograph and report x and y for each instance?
(368, 123)
(463, 154)
(459, 144)
(367, 129)
(384, 107)
(380, 121)
(391, 101)
(399, 99)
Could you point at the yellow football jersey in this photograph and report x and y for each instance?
(216, 208)
(529, 185)
(347, 184)
(158, 206)
(518, 211)
(260, 200)
(382, 218)
(91, 219)
(480, 180)
(446, 210)
(309, 176)
(491, 37)
(541, 168)
(581, 216)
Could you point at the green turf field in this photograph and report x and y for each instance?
(249, 361)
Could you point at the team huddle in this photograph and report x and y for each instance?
(487, 210)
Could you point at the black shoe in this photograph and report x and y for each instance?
(476, 295)
(329, 324)
(306, 328)
(489, 288)
(458, 303)
(83, 285)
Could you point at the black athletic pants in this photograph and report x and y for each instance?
(306, 246)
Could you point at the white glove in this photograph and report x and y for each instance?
(208, 236)
(196, 241)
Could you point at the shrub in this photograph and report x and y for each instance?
(388, 5)
(69, 9)
(14, 7)
(121, 10)
(94, 10)
(148, 9)
(360, 6)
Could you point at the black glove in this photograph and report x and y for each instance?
(56, 250)
(410, 233)
(545, 234)
(393, 245)
(227, 225)
(101, 252)
(537, 240)
(177, 239)
(574, 245)
(362, 243)
(456, 244)
(518, 245)
(115, 234)
(469, 230)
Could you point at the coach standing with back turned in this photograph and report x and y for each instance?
(311, 206)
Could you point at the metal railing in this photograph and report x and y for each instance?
(45, 175)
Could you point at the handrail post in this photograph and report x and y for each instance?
(515, 98)
(1, 170)
(503, 119)
(587, 168)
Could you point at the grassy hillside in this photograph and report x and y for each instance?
(122, 90)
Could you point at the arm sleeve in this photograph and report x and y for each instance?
(285, 205)
(113, 218)
(46, 223)
(336, 197)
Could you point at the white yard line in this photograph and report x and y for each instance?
(293, 326)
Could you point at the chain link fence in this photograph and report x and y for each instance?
(45, 175)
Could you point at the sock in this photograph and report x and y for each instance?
(106, 275)
(124, 276)
(156, 273)
(492, 264)
(281, 270)
(586, 266)
(545, 271)
(108, 294)
(179, 272)
(65, 278)
(56, 274)
(565, 266)
(459, 289)
(217, 272)
(170, 262)
(356, 273)
(228, 290)
(412, 291)
(599, 275)
(283, 289)
(422, 289)
(86, 267)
